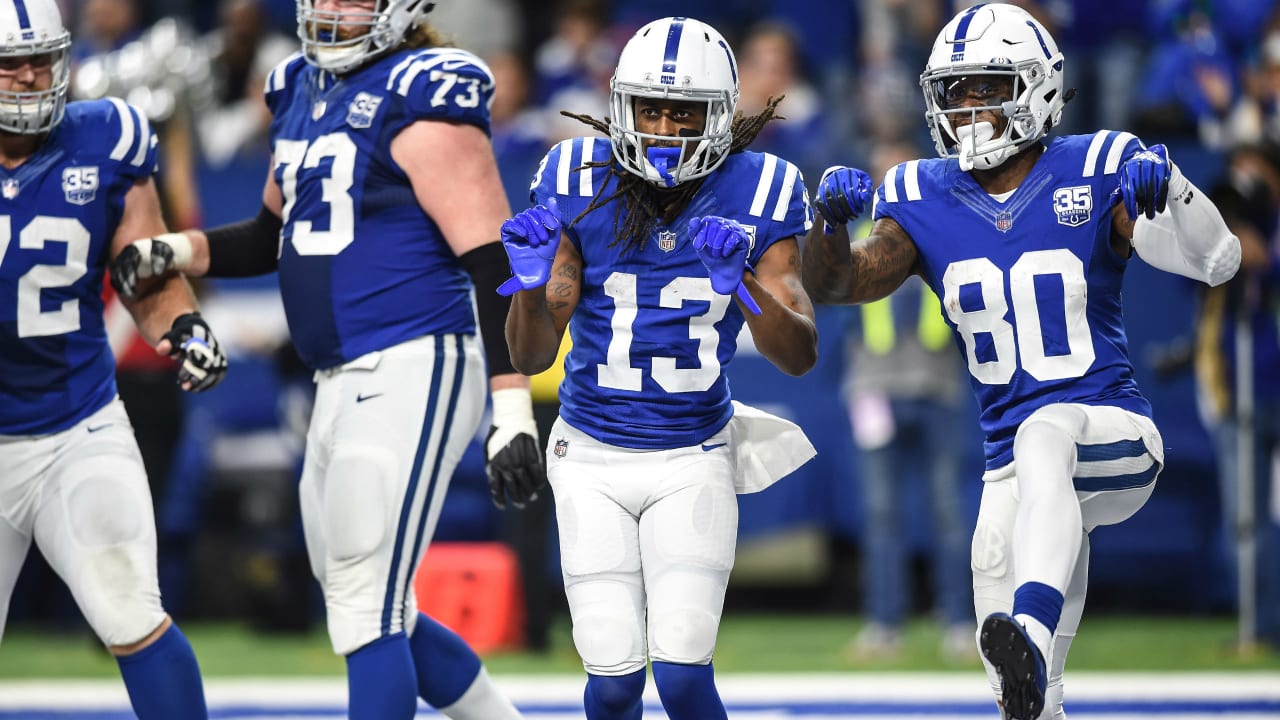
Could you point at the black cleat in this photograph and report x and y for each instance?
(1006, 645)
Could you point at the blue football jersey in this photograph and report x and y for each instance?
(362, 266)
(651, 339)
(58, 214)
(1030, 286)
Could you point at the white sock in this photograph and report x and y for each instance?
(482, 701)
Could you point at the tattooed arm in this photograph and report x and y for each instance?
(538, 317)
(837, 272)
(784, 331)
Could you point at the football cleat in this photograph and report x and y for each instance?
(1006, 645)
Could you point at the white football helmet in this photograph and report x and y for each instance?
(993, 39)
(385, 26)
(674, 58)
(32, 28)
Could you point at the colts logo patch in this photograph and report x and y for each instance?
(666, 241)
(80, 184)
(561, 448)
(1073, 205)
(362, 109)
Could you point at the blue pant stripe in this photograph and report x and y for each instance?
(433, 481)
(1111, 451)
(1118, 482)
(433, 399)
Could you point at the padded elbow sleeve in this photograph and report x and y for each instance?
(487, 265)
(1190, 237)
(247, 248)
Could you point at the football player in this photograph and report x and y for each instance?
(658, 244)
(1026, 240)
(381, 211)
(76, 185)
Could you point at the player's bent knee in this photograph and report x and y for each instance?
(124, 614)
(358, 502)
(685, 637)
(1056, 419)
(105, 509)
(608, 645)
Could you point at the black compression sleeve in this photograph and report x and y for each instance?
(246, 248)
(487, 266)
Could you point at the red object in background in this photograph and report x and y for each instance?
(473, 588)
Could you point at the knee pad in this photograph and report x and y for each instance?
(685, 636)
(609, 645)
(360, 502)
(106, 552)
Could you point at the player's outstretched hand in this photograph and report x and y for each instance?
(149, 257)
(531, 239)
(1144, 182)
(843, 194)
(201, 361)
(514, 466)
(722, 245)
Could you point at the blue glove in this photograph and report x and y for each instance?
(1144, 182)
(531, 239)
(843, 194)
(722, 245)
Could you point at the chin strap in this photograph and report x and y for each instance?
(1189, 238)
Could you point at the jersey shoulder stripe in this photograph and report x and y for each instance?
(775, 184)
(1107, 149)
(280, 74)
(569, 160)
(443, 83)
(902, 182)
(134, 138)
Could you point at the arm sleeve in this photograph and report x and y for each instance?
(247, 248)
(1189, 238)
(487, 266)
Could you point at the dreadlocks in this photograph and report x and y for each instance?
(644, 203)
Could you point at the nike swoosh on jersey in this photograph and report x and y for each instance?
(453, 64)
(100, 427)
(709, 448)
(362, 398)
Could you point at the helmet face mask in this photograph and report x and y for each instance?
(674, 59)
(999, 45)
(33, 35)
(339, 40)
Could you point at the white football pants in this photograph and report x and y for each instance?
(386, 433)
(647, 540)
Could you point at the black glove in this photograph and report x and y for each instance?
(515, 465)
(149, 257)
(202, 363)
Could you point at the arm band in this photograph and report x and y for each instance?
(247, 248)
(487, 265)
(1190, 237)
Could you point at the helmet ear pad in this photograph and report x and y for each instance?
(35, 112)
(674, 59)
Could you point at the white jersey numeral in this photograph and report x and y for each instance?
(617, 372)
(1026, 339)
(33, 321)
(293, 155)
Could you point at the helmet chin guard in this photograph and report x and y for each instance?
(377, 31)
(674, 59)
(993, 40)
(33, 29)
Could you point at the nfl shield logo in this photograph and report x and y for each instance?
(562, 447)
(317, 110)
(10, 188)
(1004, 221)
(666, 241)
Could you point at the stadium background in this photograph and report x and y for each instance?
(231, 549)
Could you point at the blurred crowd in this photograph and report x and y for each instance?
(1198, 74)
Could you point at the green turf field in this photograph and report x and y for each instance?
(748, 643)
